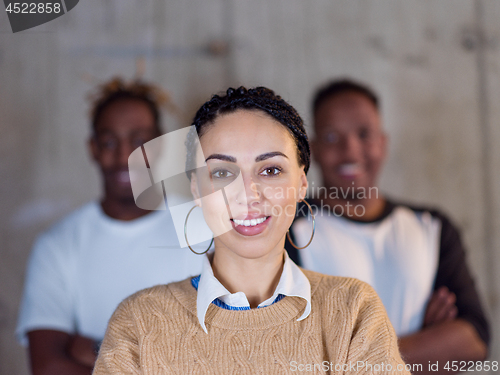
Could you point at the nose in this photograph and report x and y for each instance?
(122, 154)
(250, 194)
(351, 147)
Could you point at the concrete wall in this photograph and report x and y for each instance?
(436, 64)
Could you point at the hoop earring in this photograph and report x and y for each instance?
(186, 237)
(312, 234)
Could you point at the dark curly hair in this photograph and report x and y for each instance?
(118, 89)
(343, 86)
(260, 99)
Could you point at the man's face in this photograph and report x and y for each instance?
(350, 145)
(122, 127)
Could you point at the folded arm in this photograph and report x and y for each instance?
(455, 340)
(455, 327)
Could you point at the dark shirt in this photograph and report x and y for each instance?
(452, 270)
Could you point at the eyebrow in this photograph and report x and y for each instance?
(232, 159)
(269, 155)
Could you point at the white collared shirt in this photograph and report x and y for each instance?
(292, 283)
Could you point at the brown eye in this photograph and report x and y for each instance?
(331, 138)
(364, 133)
(221, 173)
(138, 142)
(108, 144)
(272, 171)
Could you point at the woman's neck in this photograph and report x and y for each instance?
(257, 278)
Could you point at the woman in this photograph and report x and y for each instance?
(252, 310)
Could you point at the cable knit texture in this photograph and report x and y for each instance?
(156, 331)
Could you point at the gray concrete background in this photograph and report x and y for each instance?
(436, 64)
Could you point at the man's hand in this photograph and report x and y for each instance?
(440, 308)
(82, 350)
(453, 340)
(443, 337)
(50, 353)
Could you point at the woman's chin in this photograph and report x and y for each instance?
(247, 246)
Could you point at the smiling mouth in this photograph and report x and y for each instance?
(349, 169)
(251, 222)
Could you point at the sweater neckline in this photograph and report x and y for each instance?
(276, 314)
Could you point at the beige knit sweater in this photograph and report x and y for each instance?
(156, 331)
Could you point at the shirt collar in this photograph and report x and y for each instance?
(292, 283)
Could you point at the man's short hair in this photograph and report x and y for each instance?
(342, 86)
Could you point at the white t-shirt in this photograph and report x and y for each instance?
(84, 266)
(398, 256)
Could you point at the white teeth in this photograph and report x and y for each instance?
(349, 169)
(250, 223)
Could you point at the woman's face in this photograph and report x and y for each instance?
(252, 182)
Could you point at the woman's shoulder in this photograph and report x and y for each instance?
(162, 294)
(351, 298)
(345, 287)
